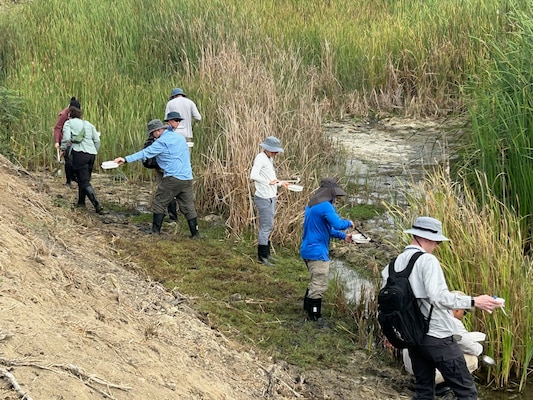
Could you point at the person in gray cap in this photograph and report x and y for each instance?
(321, 223)
(266, 188)
(173, 157)
(181, 104)
(438, 349)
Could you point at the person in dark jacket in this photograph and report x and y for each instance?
(151, 163)
(321, 223)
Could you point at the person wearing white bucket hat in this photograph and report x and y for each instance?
(266, 188)
(438, 349)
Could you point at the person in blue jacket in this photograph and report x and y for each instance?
(321, 223)
(173, 157)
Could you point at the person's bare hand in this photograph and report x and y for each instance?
(487, 303)
(119, 160)
(348, 239)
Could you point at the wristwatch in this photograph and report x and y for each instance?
(473, 302)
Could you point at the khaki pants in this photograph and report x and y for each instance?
(318, 278)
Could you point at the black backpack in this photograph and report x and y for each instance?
(399, 314)
(150, 162)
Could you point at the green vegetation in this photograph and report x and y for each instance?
(255, 304)
(257, 68)
(485, 256)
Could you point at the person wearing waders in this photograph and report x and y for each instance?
(263, 174)
(321, 223)
(173, 157)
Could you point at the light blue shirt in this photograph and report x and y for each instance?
(172, 155)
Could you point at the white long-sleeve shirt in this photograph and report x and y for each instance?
(262, 174)
(429, 286)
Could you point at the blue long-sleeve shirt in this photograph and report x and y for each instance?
(172, 155)
(321, 222)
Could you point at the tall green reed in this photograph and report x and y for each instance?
(484, 256)
(502, 100)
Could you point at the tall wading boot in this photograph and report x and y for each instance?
(81, 197)
(193, 227)
(314, 311)
(306, 300)
(262, 255)
(92, 196)
(173, 210)
(157, 222)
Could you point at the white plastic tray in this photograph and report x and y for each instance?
(295, 188)
(358, 238)
(109, 165)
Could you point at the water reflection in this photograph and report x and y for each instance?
(355, 285)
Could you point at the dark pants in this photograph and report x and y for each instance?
(170, 188)
(446, 355)
(82, 164)
(69, 170)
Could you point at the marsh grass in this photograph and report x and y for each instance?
(485, 256)
(254, 69)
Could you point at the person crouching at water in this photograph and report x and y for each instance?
(84, 142)
(173, 157)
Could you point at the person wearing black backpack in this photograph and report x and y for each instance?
(437, 348)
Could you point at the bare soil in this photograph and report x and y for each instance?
(80, 321)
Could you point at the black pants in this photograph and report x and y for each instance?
(446, 355)
(69, 170)
(82, 164)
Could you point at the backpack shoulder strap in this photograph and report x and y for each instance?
(407, 271)
(392, 272)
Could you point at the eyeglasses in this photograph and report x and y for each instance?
(465, 312)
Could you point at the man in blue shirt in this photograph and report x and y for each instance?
(173, 157)
(321, 223)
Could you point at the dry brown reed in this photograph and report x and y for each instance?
(251, 104)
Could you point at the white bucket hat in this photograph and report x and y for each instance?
(428, 228)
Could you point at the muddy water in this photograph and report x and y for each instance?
(384, 156)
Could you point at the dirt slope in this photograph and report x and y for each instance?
(76, 324)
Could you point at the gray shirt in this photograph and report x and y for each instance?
(429, 286)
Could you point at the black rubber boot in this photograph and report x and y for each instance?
(157, 222)
(81, 197)
(92, 196)
(262, 255)
(314, 312)
(306, 300)
(193, 227)
(173, 210)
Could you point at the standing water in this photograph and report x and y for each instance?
(383, 158)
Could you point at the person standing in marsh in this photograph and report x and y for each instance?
(173, 157)
(58, 137)
(266, 188)
(83, 142)
(438, 348)
(180, 103)
(321, 223)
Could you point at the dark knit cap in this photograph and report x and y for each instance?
(74, 103)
